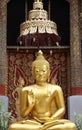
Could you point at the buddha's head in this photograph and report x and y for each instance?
(40, 67)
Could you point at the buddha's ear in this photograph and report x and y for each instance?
(48, 75)
(33, 73)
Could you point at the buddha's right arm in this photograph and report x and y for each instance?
(25, 109)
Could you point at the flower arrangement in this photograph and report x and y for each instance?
(78, 121)
(4, 116)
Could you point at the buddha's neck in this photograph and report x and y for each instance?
(42, 84)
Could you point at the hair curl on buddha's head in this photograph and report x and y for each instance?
(40, 60)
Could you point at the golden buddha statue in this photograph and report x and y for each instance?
(42, 103)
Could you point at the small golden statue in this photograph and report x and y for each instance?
(43, 101)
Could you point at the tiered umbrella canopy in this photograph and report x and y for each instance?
(38, 30)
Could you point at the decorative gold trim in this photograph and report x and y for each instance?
(38, 25)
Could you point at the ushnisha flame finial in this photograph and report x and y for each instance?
(40, 55)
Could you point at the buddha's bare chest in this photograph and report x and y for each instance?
(42, 94)
(41, 97)
(42, 101)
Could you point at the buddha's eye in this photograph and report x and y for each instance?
(44, 70)
(36, 71)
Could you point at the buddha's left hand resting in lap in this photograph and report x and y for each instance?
(44, 102)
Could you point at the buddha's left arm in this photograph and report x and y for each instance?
(59, 100)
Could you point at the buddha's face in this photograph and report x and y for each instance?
(41, 73)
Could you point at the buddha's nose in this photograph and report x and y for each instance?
(41, 73)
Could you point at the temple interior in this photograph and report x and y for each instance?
(53, 26)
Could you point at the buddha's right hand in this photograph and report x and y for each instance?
(31, 98)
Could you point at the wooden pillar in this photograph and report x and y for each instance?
(75, 48)
(3, 48)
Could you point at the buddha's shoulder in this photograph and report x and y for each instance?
(28, 88)
(54, 86)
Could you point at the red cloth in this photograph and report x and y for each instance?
(76, 91)
(2, 90)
